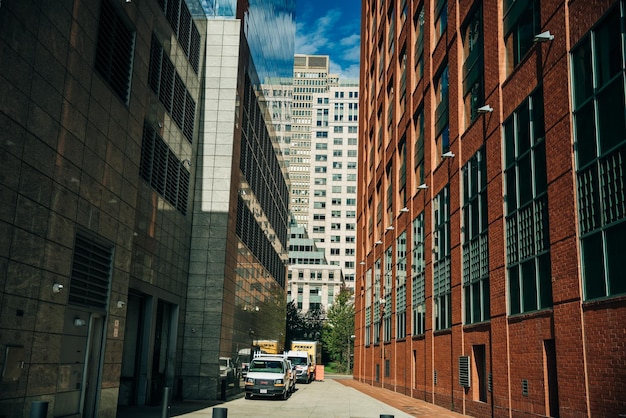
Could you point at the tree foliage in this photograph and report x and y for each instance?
(303, 326)
(338, 330)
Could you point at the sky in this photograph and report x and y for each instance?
(333, 28)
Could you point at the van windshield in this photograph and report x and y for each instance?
(298, 361)
(266, 366)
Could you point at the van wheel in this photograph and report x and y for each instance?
(248, 395)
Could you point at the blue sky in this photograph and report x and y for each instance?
(333, 28)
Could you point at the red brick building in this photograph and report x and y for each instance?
(492, 228)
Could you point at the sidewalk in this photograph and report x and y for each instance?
(407, 404)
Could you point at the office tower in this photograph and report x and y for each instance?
(322, 159)
(310, 76)
(491, 212)
(333, 194)
(145, 209)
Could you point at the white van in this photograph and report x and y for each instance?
(269, 376)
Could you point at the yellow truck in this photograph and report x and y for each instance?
(314, 351)
(269, 346)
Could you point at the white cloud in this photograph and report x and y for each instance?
(330, 35)
(347, 71)
(311, 40)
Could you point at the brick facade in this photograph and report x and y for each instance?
(566, 356)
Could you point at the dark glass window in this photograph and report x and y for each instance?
(527, 243)
(475, 240)
(521, 24)
(598, 96)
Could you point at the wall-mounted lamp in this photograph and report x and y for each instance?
(79, 322)
(362, 263)
(448, 154)
(485, 109)
(404, 209)
(381, 301)
(57, 287)
(121, 304)
(543, 37)
(379, 242)
(423, 186)
(187, 162)
(390, 228)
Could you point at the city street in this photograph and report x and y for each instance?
(335, 397)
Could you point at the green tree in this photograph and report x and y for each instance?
(303, 326)
(338, 330)
(295, 324)
(314, 323)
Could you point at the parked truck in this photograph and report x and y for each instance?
(301, 361)
(314, 356)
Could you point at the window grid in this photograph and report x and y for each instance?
(401, 286)
(387, 293)
(599, 85)
(475, 242)
(473, 66)
(418, 269)
(528, 260)
(442, 291)
(377, 308)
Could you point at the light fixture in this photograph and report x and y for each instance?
(543, 37)
(390, 228)
(448, 154)
(404, 209)
(485, 109)
(381, 301)
(423, 186)
(187, 162)
(57, 287)
(79, 322)
(121, 304)
(378, 242)
(362, 263)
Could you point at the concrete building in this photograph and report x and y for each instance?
(312, 282)
(491, 223)
(333, 185)
(310, 76)
(144, 207)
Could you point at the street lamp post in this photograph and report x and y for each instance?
(350, 339)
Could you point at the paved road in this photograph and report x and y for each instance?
(325, 399)
(336, 397)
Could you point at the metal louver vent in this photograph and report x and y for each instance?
(464, 371)
(91, 272)
(435, 376)
(114, 50)
(525, 387)
(490, 383)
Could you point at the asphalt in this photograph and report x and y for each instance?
(336, 396)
